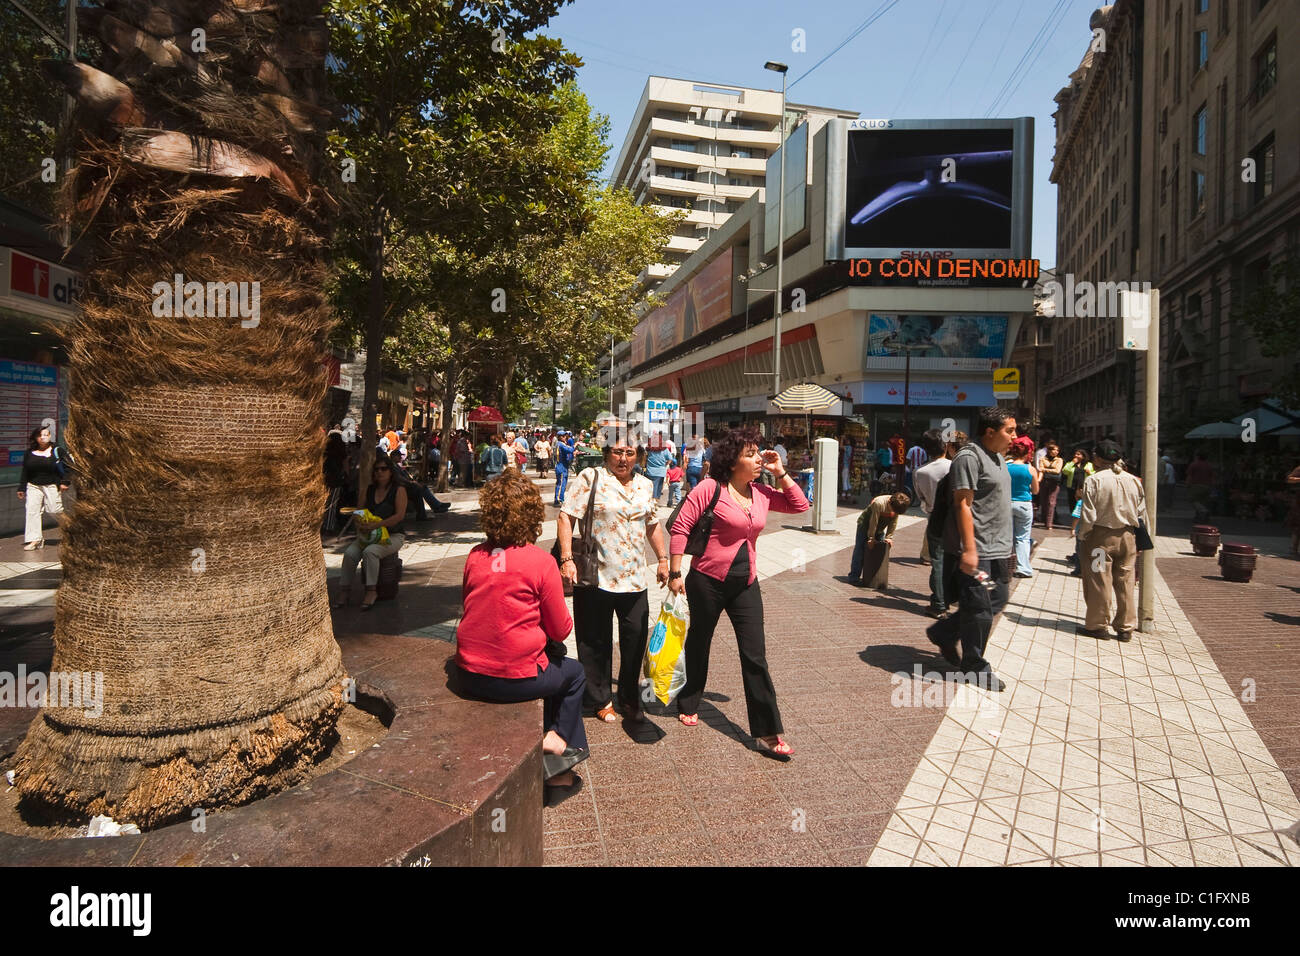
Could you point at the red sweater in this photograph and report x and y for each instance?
(731, 526)
(514, 602)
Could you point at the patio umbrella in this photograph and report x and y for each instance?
(1215, 430)
(805, 397)
(1271, 420)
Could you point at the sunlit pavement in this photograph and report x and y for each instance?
(1179, 748)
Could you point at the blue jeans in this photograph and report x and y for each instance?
(674, 492)
(561, 482)
(658, 481)
(1022, 524)
(693, 476)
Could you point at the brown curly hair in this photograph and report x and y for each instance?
(510, 510)
(730, 447)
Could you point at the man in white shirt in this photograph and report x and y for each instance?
(781, 453)
(915, 459)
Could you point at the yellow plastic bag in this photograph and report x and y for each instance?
(665, 663)
(375, 536)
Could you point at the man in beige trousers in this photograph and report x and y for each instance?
(1113, 503)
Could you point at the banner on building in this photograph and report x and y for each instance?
(699, 305)
(956, 342)
(978, 394)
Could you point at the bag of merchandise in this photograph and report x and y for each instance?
(665, 662)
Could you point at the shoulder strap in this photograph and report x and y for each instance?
(717, 492)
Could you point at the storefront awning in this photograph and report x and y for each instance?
(486, 415)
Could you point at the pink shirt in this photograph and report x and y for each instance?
(732, 527)
(514, 602)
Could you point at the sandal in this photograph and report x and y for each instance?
(690, 720)
(607, 713)
(779, 749)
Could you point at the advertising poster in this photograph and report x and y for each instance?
(978, 394)
(698, 306)
(929, 189)
(29, 393)
(967, 342)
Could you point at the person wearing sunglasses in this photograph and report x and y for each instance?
(385, 499)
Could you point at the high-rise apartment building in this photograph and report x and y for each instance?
(702, 147)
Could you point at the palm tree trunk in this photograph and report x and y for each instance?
(193, 577)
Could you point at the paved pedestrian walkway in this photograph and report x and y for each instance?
(1179, 748)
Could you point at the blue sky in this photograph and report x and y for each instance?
(920, 59)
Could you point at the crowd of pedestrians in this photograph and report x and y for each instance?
(981, 496)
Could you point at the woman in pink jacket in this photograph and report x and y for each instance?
(724, 577)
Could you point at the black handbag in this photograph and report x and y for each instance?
(1144, 542)
(698, 539)
(586, 552)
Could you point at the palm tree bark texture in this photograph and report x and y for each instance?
(193, 577)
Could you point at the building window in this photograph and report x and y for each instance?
(1202, 6)
(1262, 187)
(1264, 70)
(1200, 49)
(1198, 193)
(1200, 125)
(1164, 122)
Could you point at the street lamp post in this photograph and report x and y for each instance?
(780, 236)
(907, 350)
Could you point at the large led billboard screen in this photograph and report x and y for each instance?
(899, 189)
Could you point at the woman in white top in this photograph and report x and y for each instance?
(623, 520)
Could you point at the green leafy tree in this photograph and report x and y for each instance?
(445, 107)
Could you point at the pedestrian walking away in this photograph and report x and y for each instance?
(869, 566)
(977, 541)
(1024, 486)
(620, 513)
(675, 476)
(564, 451)
(41, 482)
(724, 575)
(929, 479)
(510, 639)
(1113, 505)
(496, 458)
(658, 455)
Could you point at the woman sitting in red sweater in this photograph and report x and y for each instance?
(510, 642)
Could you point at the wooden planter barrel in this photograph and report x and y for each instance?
(1205, 540)
(1238, 562)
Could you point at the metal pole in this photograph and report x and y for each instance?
(780, 256)
(1150, 461)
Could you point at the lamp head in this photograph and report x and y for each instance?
(775, 67)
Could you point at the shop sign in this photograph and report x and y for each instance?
(726, 405)
(926, 393)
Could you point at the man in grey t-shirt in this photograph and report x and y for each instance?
(977, 538)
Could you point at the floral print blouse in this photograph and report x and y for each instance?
(623, 515)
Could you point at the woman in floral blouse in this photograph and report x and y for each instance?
(624, 518)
